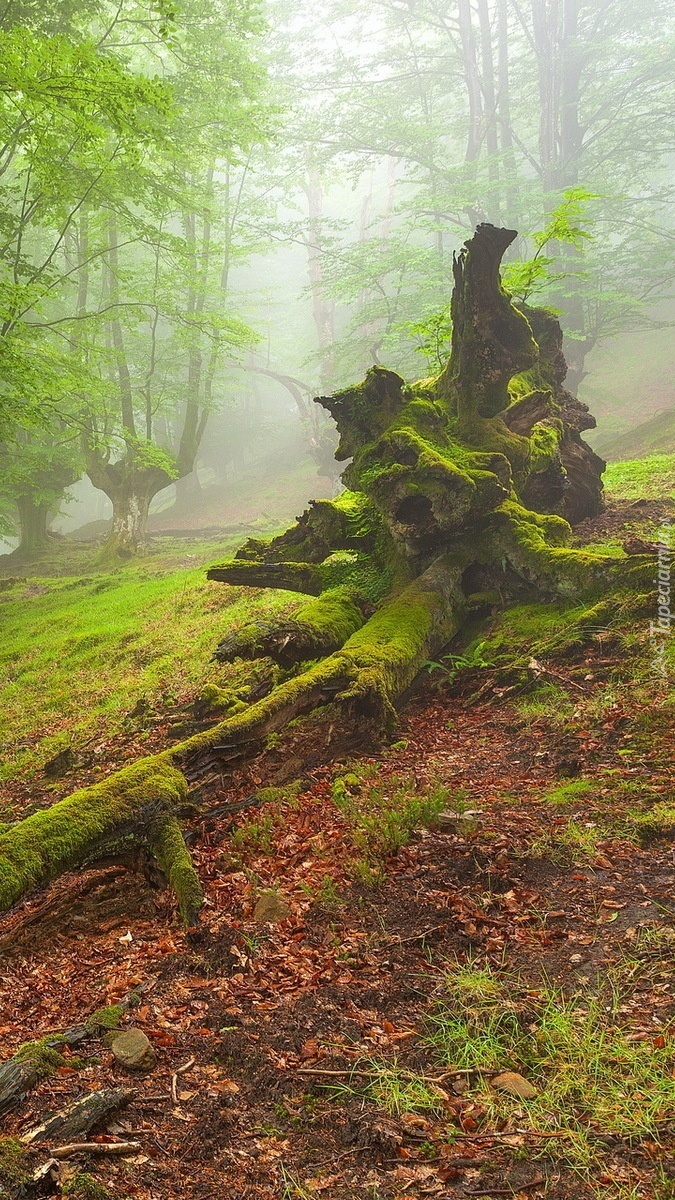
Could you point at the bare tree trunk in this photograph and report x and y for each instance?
(34, 525)
(490, 108)
(511, 189)
(474, 95)
(322, 307)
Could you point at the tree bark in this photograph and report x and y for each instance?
(131, 489)
(75, 1122)
(34, 524)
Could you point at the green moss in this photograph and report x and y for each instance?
(280, 795)
(364, 411)
(168, 846)
(370, 670)
(659, 822)
(545, 439)
(106, 1018)
(214, 699)
(348, 576)
(42, 1055)
(492, 434)
(15, 1164)
(84, 1187)
(52, 841)
(456, 484)
(536, 546)
(384, 655)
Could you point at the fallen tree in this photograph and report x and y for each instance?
(459, 492)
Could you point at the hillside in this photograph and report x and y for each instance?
(384, 941)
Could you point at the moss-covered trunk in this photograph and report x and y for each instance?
(131, 487)
(34, 526)
(457, 493)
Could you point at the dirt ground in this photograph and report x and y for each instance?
(268, 1010)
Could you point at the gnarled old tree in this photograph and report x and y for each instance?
(458, 492)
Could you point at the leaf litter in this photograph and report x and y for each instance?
(314, 1071)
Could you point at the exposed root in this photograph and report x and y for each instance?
(317, 629)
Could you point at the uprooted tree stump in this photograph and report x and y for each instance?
(460, 492)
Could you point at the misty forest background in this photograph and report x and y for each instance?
(212, 212)
(356, 824)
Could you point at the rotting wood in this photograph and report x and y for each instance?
(80, 1117)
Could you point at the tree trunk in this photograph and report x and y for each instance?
(189, 495)
(131, 506)
(322, 306)
(130, 488)
(34, 523)
(456, 486)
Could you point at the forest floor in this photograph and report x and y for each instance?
(493, 893)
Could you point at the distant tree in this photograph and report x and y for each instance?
(118, 234)
(495, 109)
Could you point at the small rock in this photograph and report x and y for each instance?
(270, 907)
(60, 764)
(515, 1085)
(455, 822)
(134, 1051)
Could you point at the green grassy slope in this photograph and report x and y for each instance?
(649, 478)
(78, 652)
(631, 379)
(650, 437)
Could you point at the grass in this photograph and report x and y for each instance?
(548, 702)
(569, 843)
(255, 835)
(567, 792)
(79, 653)
(592, 1078)
(382, 815)
(649, 478)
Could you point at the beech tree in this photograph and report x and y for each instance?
(116, 229)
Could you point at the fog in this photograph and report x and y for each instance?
(285, 216)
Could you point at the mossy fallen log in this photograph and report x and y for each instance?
(90, 824)
(37, 1060)
(32, 1063)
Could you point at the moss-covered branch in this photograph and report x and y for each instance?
(86, 825)
(290, 577)
(316, 629)
(168, 846)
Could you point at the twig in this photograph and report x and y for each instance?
(505, 1191)
(416, 937)
(350, 1074)
(95, 1148)
(174, 1078)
